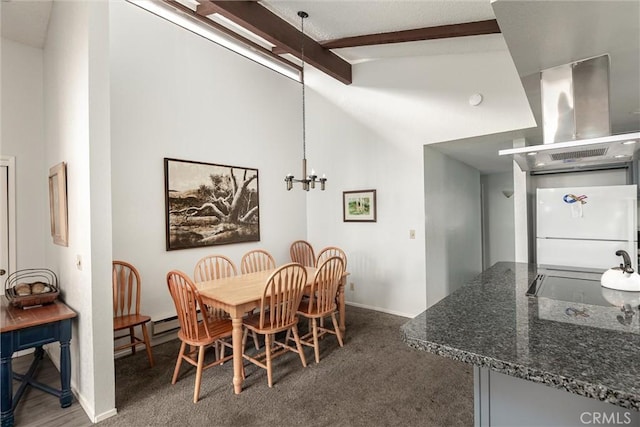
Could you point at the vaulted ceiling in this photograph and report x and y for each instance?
(342, 33)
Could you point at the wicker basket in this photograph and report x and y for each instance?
(31, 278)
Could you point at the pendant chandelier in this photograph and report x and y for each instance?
(307, 181)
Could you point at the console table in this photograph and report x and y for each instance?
(27, 328)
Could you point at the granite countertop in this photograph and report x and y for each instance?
(491, 323)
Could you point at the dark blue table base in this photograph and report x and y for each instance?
(35, 336)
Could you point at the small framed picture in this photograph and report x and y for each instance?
(359, 206)
(58, 204)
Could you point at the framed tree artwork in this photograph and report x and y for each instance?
(209, 204)
(359, 206)
(58, 204)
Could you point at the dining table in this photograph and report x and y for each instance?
(239, 295)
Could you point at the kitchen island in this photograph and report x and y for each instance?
(536, 361)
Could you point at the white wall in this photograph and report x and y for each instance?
(175, 94)
(22, 137)
(385, 266)
(498, 217)
(453, 225)
(76, 131)
(371, 134)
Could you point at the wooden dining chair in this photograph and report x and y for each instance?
(301, 252)
(214, 267)
(331, 251)
(278, 312)
(322, 303)
(126, 308)
(257, 260)
(198, 334)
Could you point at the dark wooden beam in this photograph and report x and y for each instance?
(221, 28)
(264, 23)
(428, 33)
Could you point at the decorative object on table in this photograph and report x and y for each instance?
(310, 180)
(359, 206)
(302, 252)
(58, 204)
(198, 334)
(126, 308)
(31, 287)
(208, 204)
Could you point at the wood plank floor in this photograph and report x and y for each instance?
(37, 408)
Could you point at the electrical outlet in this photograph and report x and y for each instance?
(79, 262)
(351, 286)
(412, 234)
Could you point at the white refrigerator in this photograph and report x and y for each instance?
(585, 226)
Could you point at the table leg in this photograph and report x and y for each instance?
(341, 308)
(66, 397)
(236, 340)
(6, 388)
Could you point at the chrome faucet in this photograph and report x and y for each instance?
(626, 267)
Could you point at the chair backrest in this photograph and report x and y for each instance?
(281, 297)
(214, 267)
(329, 252)
(187, 300)
(302, 252)
(126, 289)
(257, 260)
(325, 285)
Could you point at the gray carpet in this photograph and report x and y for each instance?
(374, 380)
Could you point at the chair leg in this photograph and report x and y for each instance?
(316, 349)
(147, 343)
(196, 391)
(132, 338)
(255, 340)
(294, 328)
(337, 329)
(178, 362)
(244, 339)
(267, 345)
(216, 349)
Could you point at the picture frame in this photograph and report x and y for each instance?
(58, 204)
(359, 206)
(208, 204)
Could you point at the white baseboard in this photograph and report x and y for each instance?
(110, 413)
(84, 404)
(382, 310)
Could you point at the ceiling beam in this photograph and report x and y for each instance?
(256, 47)
(264, 23)
(429, 33)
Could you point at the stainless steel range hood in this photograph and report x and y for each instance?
(576, 123)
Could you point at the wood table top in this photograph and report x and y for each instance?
(14, 318)
(241, 289)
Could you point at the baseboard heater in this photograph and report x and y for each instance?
(164, 326)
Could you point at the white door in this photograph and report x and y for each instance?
(7, 220)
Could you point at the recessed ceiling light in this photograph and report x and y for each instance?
(619, 156)
(629, 142)
(533, 153)
(540, 164)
